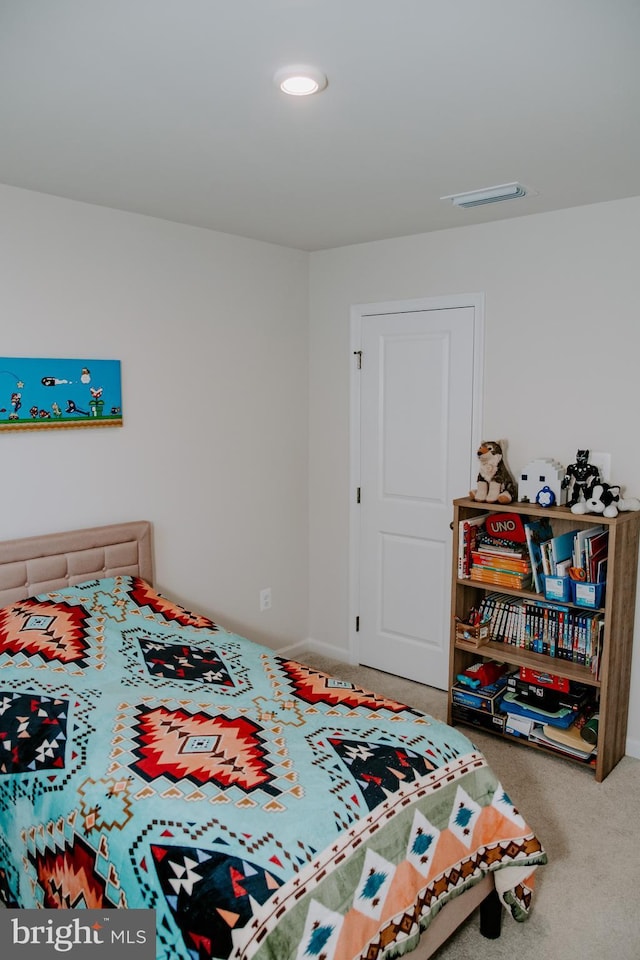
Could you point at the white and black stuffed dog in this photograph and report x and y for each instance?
(603, 498)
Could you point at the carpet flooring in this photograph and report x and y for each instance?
(587, 900)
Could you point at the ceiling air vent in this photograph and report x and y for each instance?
(477, 198)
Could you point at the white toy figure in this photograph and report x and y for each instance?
(539, 474)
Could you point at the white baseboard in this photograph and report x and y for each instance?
(328, 650)
(633, 748)
(298, 650)
(295, 651)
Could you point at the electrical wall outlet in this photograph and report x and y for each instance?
(265, 599)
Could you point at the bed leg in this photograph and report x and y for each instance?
(491, 916)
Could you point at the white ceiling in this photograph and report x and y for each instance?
(168, 108)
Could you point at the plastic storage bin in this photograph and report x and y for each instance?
(557, 588)
(587, 594)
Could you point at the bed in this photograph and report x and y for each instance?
(263, 809)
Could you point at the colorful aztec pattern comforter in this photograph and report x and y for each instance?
(264, 809)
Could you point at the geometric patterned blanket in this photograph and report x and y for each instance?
(264, 809)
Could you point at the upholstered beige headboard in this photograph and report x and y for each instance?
(56, 560)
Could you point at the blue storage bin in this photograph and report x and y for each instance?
(557, 588)
(587, 594)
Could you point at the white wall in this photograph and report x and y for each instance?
(223, 321)
(562, 339)
(198, 319)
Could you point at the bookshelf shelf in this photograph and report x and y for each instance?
(612, 685)
(523, 594)
(526, 658)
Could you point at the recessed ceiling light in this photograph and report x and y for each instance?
(475, 198)
(300, 80)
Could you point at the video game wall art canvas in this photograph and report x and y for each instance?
(40, 393)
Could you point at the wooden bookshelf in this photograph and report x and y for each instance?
(612, 687)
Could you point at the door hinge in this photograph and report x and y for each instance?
(357, 494)
(358, 354)
(357, 624)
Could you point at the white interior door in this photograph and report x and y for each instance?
(416, 449)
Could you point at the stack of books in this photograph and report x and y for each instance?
(568, 742)
(538, 533)
(552, 695)
(548, 710)
(557, 630)
(480, 706)
(468, 533)
(501, 563)
(554, 556)
(506, 618)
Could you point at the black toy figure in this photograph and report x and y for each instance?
(579, 476)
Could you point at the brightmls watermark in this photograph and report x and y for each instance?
(78, 934)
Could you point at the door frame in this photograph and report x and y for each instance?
(359, 312)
